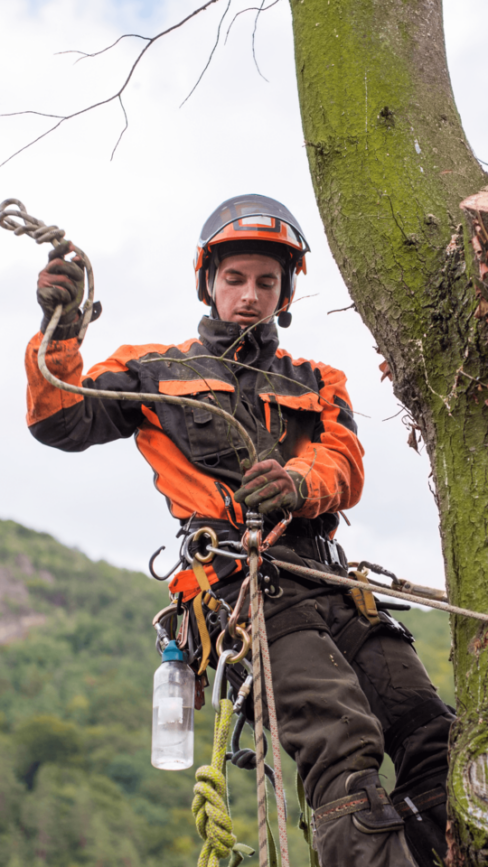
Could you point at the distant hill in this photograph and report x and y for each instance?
(76, 662)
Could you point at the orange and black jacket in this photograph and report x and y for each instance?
(296, 411)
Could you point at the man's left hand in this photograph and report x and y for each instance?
(268, 486)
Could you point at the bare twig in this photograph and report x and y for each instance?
(342, 309)
(254, 40)
(124, 129)
(210, 56)
(85, 54)
(249, 9)
(402, 409)
(115, 96)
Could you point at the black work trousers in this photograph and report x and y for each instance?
(333, 715)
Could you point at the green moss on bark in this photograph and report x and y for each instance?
(390, 164)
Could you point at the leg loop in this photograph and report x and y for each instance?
(367, 801)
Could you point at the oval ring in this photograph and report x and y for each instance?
(246, 644)
(214, 541)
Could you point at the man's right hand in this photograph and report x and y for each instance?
(61, 282)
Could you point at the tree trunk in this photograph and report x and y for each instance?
(390, 164)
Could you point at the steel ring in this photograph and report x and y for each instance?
(246, 644)
(214, 541)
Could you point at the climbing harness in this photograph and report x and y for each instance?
(210, 803)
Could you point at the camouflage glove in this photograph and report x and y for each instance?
(268, 486)
(61, 282)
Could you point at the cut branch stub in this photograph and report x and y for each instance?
(476, 210)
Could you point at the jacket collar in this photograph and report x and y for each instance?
(258, 347)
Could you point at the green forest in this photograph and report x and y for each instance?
(77, 658)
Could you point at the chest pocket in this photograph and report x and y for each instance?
(291, 420)
(209, 436)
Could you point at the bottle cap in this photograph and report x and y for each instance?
(172, 652)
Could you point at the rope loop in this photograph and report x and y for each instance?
(29, 225)
(209, 806)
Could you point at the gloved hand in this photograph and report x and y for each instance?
(268, 486)
(61, 282)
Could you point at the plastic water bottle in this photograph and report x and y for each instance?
(173, 703)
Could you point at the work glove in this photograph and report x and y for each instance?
(268, 486)
(61, 282)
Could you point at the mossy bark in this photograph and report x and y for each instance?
(390, 165)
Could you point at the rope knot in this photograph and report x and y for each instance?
(209, 806)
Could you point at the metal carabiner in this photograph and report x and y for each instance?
(219, 676)
(246, 645)
(214, 541)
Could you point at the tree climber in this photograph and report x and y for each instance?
(347, 680)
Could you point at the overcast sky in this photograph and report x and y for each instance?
(138, 217)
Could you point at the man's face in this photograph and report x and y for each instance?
(247, 288)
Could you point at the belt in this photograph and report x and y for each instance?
(310, 547)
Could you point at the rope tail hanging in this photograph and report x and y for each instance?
(210, 807)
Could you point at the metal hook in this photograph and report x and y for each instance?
(151, 566)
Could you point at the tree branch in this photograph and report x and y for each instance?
(210, 56)
(115, 96)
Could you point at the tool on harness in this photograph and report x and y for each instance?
(364, 599)
(173, 702)
(152, 570)
(401, 583)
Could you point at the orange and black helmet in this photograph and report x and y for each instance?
(251, 224)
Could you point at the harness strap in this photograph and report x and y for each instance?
(421, 803)
(343, 806)
(351, 639)
(364, 599)
(411, 719)
(211, 603)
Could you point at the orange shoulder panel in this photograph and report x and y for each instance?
(118, 361)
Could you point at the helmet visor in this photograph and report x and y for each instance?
(241, 207)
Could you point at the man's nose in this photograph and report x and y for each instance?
(250, 290)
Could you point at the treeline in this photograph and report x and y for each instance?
(76, 785)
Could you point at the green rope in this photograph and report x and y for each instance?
(210, 807)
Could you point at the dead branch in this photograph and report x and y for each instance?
(249, 9)
(342, 309)
(115, 96)
(254, 40)
(210, 56)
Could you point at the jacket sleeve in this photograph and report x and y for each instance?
(72, 422)
(332, 463)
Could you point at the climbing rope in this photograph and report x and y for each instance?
(9, 219)
(254, 539)
(379, 588)
(275, 742)
(210, 807)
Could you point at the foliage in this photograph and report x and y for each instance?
(77, 788)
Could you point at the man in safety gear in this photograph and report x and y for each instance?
(347, 680)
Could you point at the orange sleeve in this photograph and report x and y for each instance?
(64, 360)
(332, 466)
